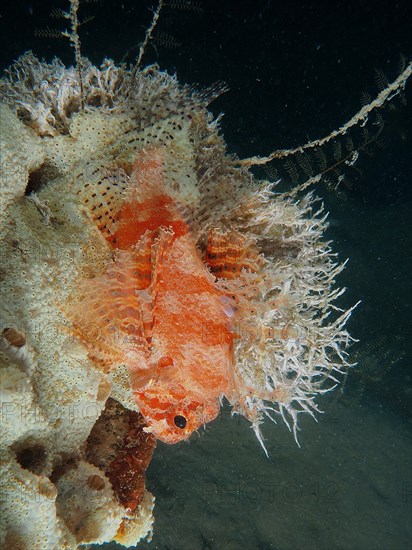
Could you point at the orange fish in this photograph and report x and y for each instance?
(157, 308)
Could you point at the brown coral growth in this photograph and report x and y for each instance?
(119, 445)
(127, 471)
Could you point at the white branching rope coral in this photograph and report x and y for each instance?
(148, 36)
(360, 119)
(73, 36)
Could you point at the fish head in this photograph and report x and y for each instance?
(171, 414)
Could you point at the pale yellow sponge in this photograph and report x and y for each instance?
(21, 152)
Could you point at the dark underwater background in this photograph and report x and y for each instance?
(295, 70)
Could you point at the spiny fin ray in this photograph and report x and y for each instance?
(113, 313)
(228, 253)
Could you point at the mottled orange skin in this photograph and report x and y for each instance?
(183, 363)
(192, 343)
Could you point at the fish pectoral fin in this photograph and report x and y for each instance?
(106, 312)
(228, 253)
(111, 314)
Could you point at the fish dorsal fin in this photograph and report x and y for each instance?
(123, 201)
(147, 296)
(111, 313)
(102, 191)
(228, 253)
(147, 205)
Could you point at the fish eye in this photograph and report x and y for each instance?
(180, 421)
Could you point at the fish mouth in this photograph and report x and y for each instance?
(165, 433)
